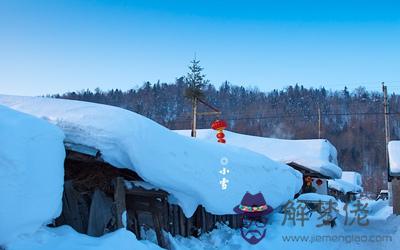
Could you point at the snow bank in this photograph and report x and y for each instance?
(65, 238)
(394, 157)
(187, 169)
(31, 173)
(319, 154)
(315, 197)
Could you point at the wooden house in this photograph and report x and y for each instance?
(96, 196)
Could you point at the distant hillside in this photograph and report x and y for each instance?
(352, 121)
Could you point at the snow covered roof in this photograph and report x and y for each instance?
(350, 182)
(318, 155)
(394, 157)
(31, 173)
(187, 169)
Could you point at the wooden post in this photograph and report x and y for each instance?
(119, 200)
(194, 116)
(396, 195)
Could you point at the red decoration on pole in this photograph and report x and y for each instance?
(219, 125)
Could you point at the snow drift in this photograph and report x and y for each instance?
(187, 169)
(31, 173)
(318, 154)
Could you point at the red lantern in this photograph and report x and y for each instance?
(220, 135)
(219, 125)
(319, 182)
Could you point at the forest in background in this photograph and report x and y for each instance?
(352, 120)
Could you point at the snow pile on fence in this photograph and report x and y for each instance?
(318, 154)
(394, 157)
(189, 170)
(31, 173)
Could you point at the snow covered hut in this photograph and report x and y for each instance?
(315, 159)
(347, 188)
(107, 146)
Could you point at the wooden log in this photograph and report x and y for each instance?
(119, 201)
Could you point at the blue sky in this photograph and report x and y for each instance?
(58, 46)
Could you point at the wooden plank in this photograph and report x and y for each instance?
(119, 200)
(176, 219)
(71, 212)
(100, 213)
(396, 195)
(182, 224)
(158, 228)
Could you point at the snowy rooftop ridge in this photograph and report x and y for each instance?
(394, 157)
(187, 169)
(316, 154)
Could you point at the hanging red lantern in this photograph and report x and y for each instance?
(319, 182)
(219, 125)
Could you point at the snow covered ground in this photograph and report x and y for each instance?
(319, 154)
(31, 173)
(383, 232)
(189, 170)
(65, 238)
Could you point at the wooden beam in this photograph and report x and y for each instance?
(119, 200)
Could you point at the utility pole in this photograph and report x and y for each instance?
(387, 139)
(387, 128)
(319, 122)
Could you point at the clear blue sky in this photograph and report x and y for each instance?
(57, 46)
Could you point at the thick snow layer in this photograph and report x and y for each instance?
(350, 182)
(344, 186)
(65, 238)
(394, 157)
(352, 177)
(319, 154)
(315, 197)
(31, 173)
(189, 170)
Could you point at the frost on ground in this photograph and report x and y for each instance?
(317, 154)
(187, 169)
(31, 173)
